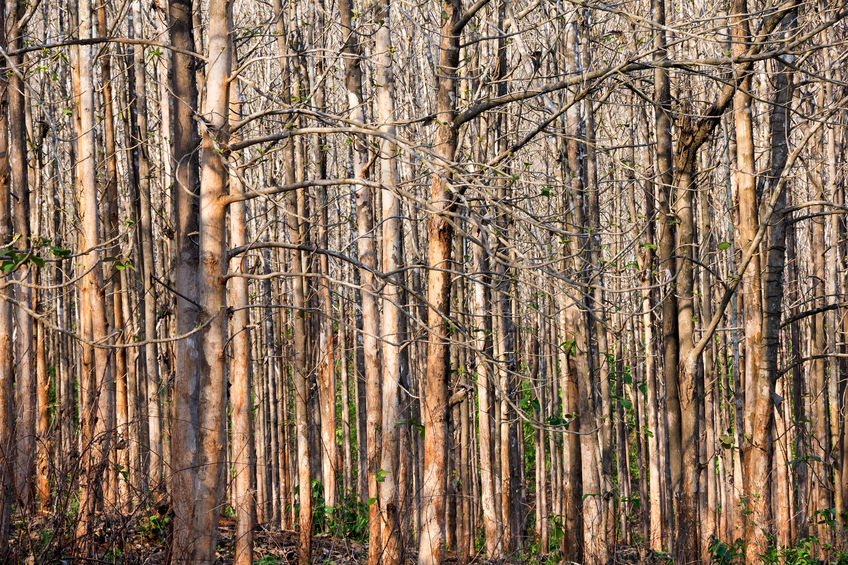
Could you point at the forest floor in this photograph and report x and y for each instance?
(144, 543)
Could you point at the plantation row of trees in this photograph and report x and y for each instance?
(542, 278)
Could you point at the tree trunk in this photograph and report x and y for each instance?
(184, 435)
(7, 389)
(145, 237)
(212, 264)
(390, 538)
(96, 407)
(434, 389)
(243, 455)
(482, 326)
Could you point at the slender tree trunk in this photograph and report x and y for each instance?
(25, 380)
(482, 343)
(434, 389)
(757, 398)
(211, 453)
(7, 390)
(112, 232)
(184, 440)
(243, 454)
(97, 407)
(390, 537)
(775, 261)
(145, 236)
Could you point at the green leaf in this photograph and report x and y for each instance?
(723, 245)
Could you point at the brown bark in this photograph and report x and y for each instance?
(145, 248)
(434, 389)
(185, 220)
(211, 452)
(112, 230)
(595, 545)
(25, 379)
(367, 255)
(757, 397)
(482, 326)
(243, 457)
(665, 256)
(392, 231)
(96, 406)
(7, 391)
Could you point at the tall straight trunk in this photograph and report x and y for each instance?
(482, 343)
(25, 382)
(367, 255)
(97, 407)
(327, 356)
(709, 508)
(800, 471)
(757, 396)
(274, 475)
(600, 348)
(572, 540)
(300, 374)
(502, 323)
(820, 466)
(136, 383)
(834, 407)
(390, 539)
(300, 369)
(42, 479)
(7, 390)
(344, 356)
(688, 540)
(211, 452)
(577, 323)
(145, 237)
(666, 249)
(326, 350)
(541, 378)
(243, 455)
(185, 221)
(112, 232)
(775, 260)
(646, 259)
(434, 389)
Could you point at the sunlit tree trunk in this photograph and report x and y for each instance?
(758, 405)
(392, 228)
(111, 232)
(211, 452)
(241, 407)
(434, 388)
(482, 328)
(95, 400)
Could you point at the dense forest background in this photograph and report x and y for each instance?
(540, 281)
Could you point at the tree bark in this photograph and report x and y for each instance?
(211, 453)
(392, 227)
(434, 390)
(184, 434)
